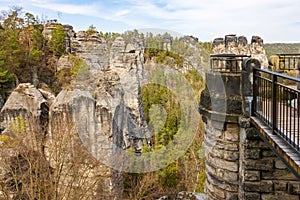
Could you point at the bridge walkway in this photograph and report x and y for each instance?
(276, 114)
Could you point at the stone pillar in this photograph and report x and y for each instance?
(223, 102)
(221, 106)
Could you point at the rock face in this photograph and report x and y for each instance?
(239, 45)
(104, 106)
(98, 118)
(92, 49)
(25, 111)
(68, 29)
(76, 115)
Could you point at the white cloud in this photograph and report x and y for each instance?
(198, 17)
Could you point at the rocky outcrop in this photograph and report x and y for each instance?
(103, 108)
(232, 44)
(92, 49)
(25, 112)
(189, 39)
(78, 127)
(51, 25)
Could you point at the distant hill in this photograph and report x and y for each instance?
(273, 48)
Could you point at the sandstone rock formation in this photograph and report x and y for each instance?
(104, 105)
(77, 126)
(92, 49)
(25, 111)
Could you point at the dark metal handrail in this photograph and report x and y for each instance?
(276, 101)
(225, 63)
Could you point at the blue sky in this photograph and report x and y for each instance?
(273, 20)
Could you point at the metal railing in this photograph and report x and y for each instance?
(225, 63)
(276, 101)
(289, 61)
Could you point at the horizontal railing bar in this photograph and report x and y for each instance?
(264, 78)
(287, 87)
(280, 75)
(288, 54)
(231, 55)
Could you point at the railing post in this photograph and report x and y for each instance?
(255, 92)
(274, 102)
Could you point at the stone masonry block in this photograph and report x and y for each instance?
(220, 163)
(219, 193)
(252, 153)
(230, 146)
(263, 164)
(280, 165)
(232, 196)
(256, 144)
(230, 176)
(232, 132)
(266, 186)
(252, 175)
(224, 154)
(294, 187)
(251, 196)
(278, 175)
(280, 185)
(279, 195)
(252, 186)
(222, 174)
(226, 186)
(268, 153)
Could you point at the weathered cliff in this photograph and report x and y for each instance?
(25, 114)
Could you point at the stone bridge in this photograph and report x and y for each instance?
(251, 130)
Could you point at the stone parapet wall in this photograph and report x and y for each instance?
(232, 44)
(262, 174)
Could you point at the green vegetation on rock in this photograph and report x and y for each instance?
(57, 42)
